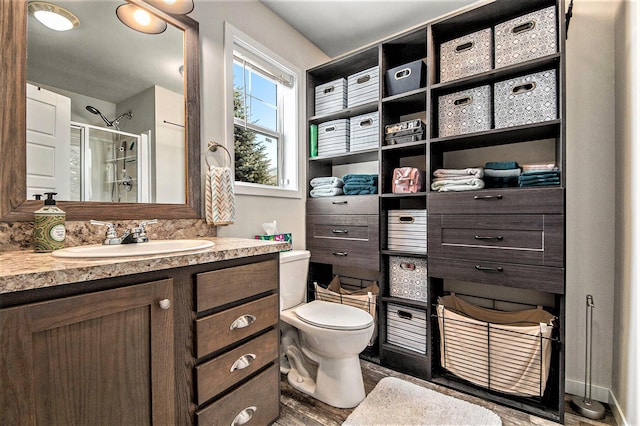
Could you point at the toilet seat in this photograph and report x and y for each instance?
(334, 316)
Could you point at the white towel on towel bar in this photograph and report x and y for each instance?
(220, 196)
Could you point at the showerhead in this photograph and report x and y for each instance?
(95, 110)
(114, 123)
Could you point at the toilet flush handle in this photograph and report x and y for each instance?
(242, 322)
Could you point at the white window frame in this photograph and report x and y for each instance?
(291, 157)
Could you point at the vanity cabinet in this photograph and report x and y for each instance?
(98, 358)
(237, 344)
(188, 345)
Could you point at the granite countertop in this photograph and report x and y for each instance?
(26, 270)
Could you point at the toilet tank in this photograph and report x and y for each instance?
(294, 266)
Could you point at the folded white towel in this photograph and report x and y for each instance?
(220, 199)
(476, 172)
(325, 192)
(332, 181)
(469, 184)
(502, 173)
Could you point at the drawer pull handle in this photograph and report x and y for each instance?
(405, 315)
(487, 269)
(243, 362)
(242, 322)
(487, 197)
(497, 237)
(339, 202)
(340, 253)
(244, 416)
(340, 231)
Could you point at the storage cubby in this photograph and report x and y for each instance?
(501, 246)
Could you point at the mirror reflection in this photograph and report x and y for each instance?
(105, 109)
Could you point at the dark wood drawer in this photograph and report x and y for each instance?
(538, 278)
(212, 288)
(359, 254)
(219, 374)
(216, 331)
(259, 399)
(528, 239)
(346, 204)
(494, 201)
(349, 227)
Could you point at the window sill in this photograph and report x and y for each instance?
(243, 188)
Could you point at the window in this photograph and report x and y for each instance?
(265, 118)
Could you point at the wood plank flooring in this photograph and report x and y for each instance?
(298, 409)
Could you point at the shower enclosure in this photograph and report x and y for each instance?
(109, 165)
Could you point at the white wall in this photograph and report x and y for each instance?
(258, 22)
(590, 191)
(626, 334)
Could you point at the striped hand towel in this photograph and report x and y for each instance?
(220, 196)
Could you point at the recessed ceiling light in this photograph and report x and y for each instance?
(140, 20)
(53, 16)
(174, 7)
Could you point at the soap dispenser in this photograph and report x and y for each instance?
(48, 230)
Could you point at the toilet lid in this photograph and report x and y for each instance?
(334, 316)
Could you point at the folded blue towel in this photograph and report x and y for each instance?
(501, 165)
(500, 182)
(359, 189)
(368, 179)
(540, 182)
(538, 175)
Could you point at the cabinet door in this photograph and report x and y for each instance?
(102, 358)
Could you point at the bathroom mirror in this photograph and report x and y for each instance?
(14, 205)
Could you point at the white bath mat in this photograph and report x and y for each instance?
(397, 402)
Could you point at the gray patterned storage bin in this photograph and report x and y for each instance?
(364, 131)
(408, 277)
(527, 37)
(333, 137)
(525, 100)
(407, 327)
(331, 96)
(465, 111)
(407, 230)
(466, 55)
(363, 87)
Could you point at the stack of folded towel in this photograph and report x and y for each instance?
(501, 174)
(360, 184)
(457, 179)
(326, 186)
(541, 174)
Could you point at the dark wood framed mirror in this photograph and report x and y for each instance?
(14, 207)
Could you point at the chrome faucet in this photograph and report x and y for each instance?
(130, 236)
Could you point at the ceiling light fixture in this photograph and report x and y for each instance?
(53, 16)
(139, 19)
(174, 7)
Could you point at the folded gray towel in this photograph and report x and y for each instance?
(331, 181)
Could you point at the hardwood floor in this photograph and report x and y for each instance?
(298, 409)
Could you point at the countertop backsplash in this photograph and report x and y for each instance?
(19, 235)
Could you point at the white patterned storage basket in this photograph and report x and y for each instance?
(407, 230)
(465, 56)
(363, 87)
(333, 137)
(364, 131)
(525, 100)
(527, 37)
(466, 111)
(331, 96)
(407, 327)
(408, 277)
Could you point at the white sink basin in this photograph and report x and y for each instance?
(138, 249)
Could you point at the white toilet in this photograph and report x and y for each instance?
(321, 340)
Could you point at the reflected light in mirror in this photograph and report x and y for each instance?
(53, 16)
(140, 20)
